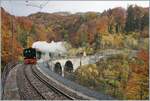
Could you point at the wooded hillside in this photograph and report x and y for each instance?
(113, 28)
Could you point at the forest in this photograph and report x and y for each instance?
(121, 76)
(113, 28)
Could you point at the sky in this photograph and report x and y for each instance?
(27, 7)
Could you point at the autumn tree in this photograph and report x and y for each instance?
(83, 39)
(23, 38)
(64, 35)
(33, 30)
(137, 86)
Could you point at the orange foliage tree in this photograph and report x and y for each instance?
(138, 84)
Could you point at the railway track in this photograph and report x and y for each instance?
(30, 82)
(54, 89)
(26, 89)
(32, 86)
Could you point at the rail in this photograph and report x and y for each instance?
(56, 90)
(26, 75)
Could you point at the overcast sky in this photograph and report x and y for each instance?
(23, 8)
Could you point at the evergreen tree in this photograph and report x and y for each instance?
(130, 20)
(134, 18)
(97, 39)
(65, 35)
(145, 20)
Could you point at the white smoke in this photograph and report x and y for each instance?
(53, 47)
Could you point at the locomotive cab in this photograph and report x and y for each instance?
(29, 56)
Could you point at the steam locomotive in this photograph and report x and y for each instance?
(29, 56)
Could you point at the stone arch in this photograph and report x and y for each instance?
(38, 54)
(68, 66)
(58, 68)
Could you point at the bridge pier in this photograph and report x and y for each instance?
(62, 71)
